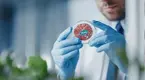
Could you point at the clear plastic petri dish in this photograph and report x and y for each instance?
(84, 30)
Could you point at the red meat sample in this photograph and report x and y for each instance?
(83, 31)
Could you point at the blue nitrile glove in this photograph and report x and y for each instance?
(112, 43)
(65, 53)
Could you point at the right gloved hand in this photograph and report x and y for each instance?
(65, 53)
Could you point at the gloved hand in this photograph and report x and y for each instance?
(112, 43)
(65, 53)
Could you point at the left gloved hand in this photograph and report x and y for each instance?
(112, 43)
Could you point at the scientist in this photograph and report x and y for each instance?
(111, 41)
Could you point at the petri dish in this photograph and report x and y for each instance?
(84, 30)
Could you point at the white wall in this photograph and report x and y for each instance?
(83, 10)
(135, 37)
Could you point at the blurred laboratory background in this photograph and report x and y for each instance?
(30, 27)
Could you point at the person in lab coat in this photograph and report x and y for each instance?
(110, 63)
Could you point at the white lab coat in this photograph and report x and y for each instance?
(93, 65)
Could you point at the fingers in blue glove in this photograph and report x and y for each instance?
(99, 41)
(96, 36)
(68, 49)
(103, 27)
(99, 35)
(68, 42)
(61, 60)
(104, 47)
(71, 54)
(64, 34)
